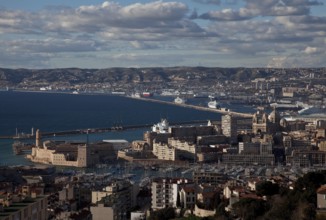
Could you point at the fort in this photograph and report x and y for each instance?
(76, 154)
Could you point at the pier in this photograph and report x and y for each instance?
(99, 130)
(20, 148)
(221, 111)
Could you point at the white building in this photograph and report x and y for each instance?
(229, 127)
(165, 192)
(137, 216)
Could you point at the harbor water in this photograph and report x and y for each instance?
(24, 112)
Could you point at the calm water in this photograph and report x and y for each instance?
(58, 112)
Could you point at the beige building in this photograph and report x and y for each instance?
(249, 148)
(322, 145)
(175, 149)
(14, 207)
(77, 154)
(264, 123)
(114, 201)
(208, 154)
(307, 158)
(185, 149)
(164, 151)
(321, 197)
(249, 159)
(212, 177)
(102, 212)
(188, 196)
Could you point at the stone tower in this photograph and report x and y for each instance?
(260, 122)
(38, 138)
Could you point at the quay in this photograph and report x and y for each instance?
(238, 114)
(19, 147)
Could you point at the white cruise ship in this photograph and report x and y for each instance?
(162, 127)
(213, 104)
(310, 110)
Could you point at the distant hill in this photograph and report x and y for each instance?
(198, 75)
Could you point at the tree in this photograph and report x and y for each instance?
(248, 208)
(166, 213)
(311, 180)
(267, 188)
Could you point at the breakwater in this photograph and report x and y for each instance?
(99, 130)
(221, 111)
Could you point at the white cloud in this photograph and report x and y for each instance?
(310, 50)
(254, 8)
(277, 62)
(215, 2)
(258, 30)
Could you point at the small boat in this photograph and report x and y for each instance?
(136, 95)
(179, 100)
(147, 94)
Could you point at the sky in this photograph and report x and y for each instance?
(42, 34)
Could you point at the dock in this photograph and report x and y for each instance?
(201, 108)
(19, 147)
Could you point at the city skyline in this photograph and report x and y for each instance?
(103, 34)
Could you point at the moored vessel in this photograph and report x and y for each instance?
(213, 104)
(179, 100)
(147, 94)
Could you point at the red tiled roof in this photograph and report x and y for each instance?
(188, 189)
(322, 190)
(251, 196)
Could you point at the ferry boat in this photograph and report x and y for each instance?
(179, 100)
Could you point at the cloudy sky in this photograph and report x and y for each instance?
(145, 33)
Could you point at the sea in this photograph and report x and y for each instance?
(25, 112)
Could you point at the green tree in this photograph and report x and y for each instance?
(248, 208)
(311, 180)
(166, 213)
(267, 188)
